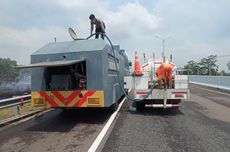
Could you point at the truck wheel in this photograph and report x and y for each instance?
(140, 106)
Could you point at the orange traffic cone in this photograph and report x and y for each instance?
(137, 68)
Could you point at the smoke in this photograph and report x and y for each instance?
(21, 86)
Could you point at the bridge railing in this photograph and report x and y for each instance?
(15, 101)
(221, 82)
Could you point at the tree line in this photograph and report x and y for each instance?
(206, 66)
(9, 71)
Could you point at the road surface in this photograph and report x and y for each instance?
(54, 131)
(201, 124)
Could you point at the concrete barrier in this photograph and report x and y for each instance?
(221, 82)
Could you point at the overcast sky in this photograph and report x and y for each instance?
(198, 27)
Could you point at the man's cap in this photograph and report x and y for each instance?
(91, 16)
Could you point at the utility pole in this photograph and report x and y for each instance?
(163, 45)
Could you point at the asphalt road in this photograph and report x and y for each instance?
(201, 124)
(55, 131)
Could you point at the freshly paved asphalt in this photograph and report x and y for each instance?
(195, 127)
(55, 131)
(201, 124)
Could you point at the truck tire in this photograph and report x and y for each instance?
(140, 106)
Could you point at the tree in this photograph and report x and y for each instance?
(228, 64)
(192, 67)
(208, 65)
(8, 72)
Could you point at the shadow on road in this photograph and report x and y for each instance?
(160, 112)
(131, 106)
(157, 112)
(64, 121)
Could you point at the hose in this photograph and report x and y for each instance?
(119, 80)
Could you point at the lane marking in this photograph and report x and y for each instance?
(103, 132)
(227, 94)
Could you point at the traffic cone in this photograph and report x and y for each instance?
(137, 68)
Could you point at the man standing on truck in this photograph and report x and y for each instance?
(100, 26)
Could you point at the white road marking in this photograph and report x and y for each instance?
(103, 132)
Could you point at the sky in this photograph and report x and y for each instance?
(198, 28)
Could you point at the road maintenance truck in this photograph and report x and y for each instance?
(77, 74)
(157, 86)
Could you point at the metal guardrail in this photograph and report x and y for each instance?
(15, 101)
(15, 104)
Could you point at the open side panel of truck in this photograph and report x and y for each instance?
(63, 75)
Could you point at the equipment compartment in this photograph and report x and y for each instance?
(71, 77)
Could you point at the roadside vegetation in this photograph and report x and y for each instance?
(13, 81)
(206, 66)
(9, 72)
